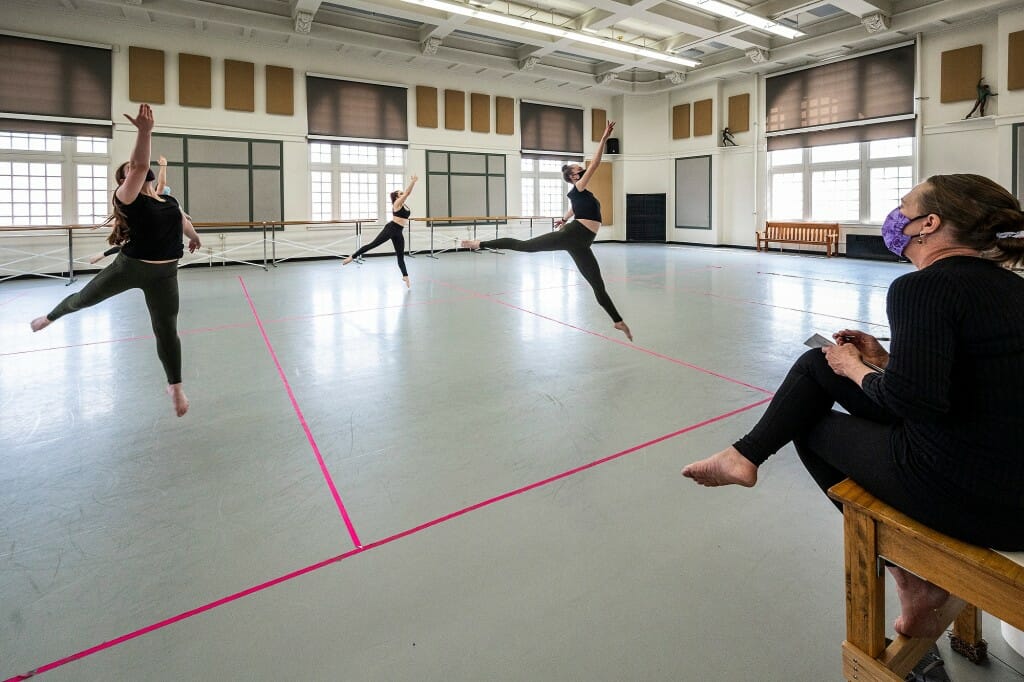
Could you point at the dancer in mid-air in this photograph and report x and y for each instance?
(574, 236)
(149, 229)
(393, 230)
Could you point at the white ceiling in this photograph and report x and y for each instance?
(400, 32)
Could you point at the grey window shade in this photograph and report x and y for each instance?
(43, 78)
(337, 108)
(545, 128)
(857, 91)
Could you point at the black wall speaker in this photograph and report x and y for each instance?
(611, 146)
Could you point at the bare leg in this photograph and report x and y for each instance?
(405, 278)
(920, 602)
(473, 244)
(178, 398)
(624, 328)
(727, 467)
(40, 323)
(348, 259)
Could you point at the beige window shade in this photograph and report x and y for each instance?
(239, 85)
(853, 91)
(43, 78)
(479, 113)
(426, 106)
(504, 115)
(145, 75)
(546, 128)
(280, 90)
(681, 121)
(454, 110)
(339, 108)
(194, 85)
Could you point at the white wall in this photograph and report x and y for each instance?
(646, 164)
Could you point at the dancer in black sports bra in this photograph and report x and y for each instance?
(393, 230)
(575, 236)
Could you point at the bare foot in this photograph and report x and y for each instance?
(96, 259)
(727, 467)
(406, 280)
(347, 260)
(179, 399)
(624, 328)
(922, 605)
(40, 323)
(471, 244)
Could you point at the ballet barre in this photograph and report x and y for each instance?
(472, 225)
(21, 259)
(355, 226)
(208, 254)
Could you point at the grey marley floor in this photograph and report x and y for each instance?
(477, 479)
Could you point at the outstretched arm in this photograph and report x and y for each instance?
(161, 177)
(581, 184)
(400, 201)
(136, 177)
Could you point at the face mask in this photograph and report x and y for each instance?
(892, 231)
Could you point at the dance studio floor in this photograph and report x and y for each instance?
(477, 479)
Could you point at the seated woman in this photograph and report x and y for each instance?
(938, 433)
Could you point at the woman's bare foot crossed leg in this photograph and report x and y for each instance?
(923, 605)
(727, 467)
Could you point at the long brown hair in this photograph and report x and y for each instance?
(118, 235)
(977, 210)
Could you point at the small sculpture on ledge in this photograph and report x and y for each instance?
(984, 92)
(727, 138)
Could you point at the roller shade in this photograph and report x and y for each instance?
(351, 109)
(54, 88)
(551, 129)
(870, 97)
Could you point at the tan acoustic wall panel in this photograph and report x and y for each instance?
(504, 115)
(280, 81)
(145, 75)
(239, 90)
(479, 113)
(194, 85)
(739, 113)
(680, 121)
(426, 106)
(454, 110)
(598, 120)
(1015, 61)
(961, 70)
(702, 122)
(601, 185)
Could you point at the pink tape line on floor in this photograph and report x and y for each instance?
(302, 420)
(378, 543)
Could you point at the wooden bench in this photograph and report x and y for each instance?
(821, 234)
(987, 580)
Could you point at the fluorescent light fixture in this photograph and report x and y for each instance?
(551, 30)
(730, 12)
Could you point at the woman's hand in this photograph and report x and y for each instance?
(194, 243)
(868, 346)
(414, 179)
(161, 161)
(144, 120)
(608, 130)
(845, 361)
(559, 222)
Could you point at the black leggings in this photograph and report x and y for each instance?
(869, 446)
(575, 238)
(392, 231)
(159, 283)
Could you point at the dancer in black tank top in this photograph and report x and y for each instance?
(393, 230)
(575, 236)
(148, 230)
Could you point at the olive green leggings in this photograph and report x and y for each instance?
(159, 283)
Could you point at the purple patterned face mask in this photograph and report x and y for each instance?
(892, 231)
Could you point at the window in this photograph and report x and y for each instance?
(543, 188)
(53, 180)
(857, 182)
(354, 181)
(465, 184)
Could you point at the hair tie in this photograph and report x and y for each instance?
(1010, 235)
